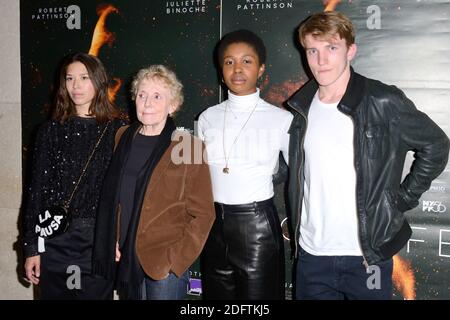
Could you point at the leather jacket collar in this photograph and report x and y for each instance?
(301, 100)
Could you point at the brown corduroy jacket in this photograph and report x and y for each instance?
(178, 209)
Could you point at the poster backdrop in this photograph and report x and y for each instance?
(401, 42)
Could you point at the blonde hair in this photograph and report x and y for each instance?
(165, 75)
(327, 25)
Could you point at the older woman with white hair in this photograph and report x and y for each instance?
(157, 207)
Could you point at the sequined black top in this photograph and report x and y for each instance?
(60, 153)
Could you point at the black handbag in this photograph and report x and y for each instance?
(54, 221)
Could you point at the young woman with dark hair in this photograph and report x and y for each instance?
(71, 155)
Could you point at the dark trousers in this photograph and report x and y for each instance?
(244, 255)
(342, 278)
(66, 259)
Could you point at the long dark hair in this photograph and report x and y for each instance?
(102, 108)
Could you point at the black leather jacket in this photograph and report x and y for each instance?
(386, 126)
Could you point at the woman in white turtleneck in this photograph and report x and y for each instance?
(244, 135)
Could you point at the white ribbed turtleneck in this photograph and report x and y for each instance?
(253, 157)
(243, 102)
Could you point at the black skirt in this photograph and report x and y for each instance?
(243, 257)
(66, 266)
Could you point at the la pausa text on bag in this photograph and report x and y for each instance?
(51, 224)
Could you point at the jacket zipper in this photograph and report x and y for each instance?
(299, 174)
(355, 163)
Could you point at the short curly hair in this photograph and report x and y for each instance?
(165, 75)
(242, 36)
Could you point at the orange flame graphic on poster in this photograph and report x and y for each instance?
(112, 91)
(102, 36)
(403, 278)
(330, 5)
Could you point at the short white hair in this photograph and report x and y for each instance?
(164, 74)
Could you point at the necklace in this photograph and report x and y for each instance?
(226, 169)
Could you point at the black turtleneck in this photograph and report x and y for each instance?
(141, 149)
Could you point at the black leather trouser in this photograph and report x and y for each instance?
(243, 257)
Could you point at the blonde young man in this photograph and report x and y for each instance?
(349, 139)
